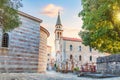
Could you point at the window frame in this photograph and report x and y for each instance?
(5, 40)
(90, 58)
(80, 58)
(71, 47)
(80, 48)
(90, 49)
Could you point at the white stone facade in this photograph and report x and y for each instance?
(80, 54)
(71, 51)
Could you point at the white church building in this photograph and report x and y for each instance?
(70, 52)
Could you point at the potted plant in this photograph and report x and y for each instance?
(76, 70)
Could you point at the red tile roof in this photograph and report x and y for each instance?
(72, 39)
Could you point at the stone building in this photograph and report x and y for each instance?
(109, 64)
(70, 52)
(44, 34)
(52, 63)
(19, 48)
(49, 57)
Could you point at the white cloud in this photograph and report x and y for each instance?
(71, 32)
(51, 10)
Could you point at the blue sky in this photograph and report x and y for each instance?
(47, 11)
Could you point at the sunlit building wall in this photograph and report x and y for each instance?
(23, 46)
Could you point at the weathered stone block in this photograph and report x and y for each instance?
(109, 64)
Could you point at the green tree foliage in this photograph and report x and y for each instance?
(101, 25)
(8, 14)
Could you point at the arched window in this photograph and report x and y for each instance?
(80, 58)
(71, 47)
(60, 34)
(90, 49)
(90, 58)
(71, 57)
(79, 48)
(57, 34)
(5, 40)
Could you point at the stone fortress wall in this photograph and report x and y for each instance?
(22, 53)
(42, 63)
(23, 47)
(109, 64)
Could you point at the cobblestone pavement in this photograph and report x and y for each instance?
(47, 76)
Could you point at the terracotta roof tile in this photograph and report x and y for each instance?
(72, 39)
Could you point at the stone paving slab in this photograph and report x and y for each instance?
(47, 76)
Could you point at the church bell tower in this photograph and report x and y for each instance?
(58, 34)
